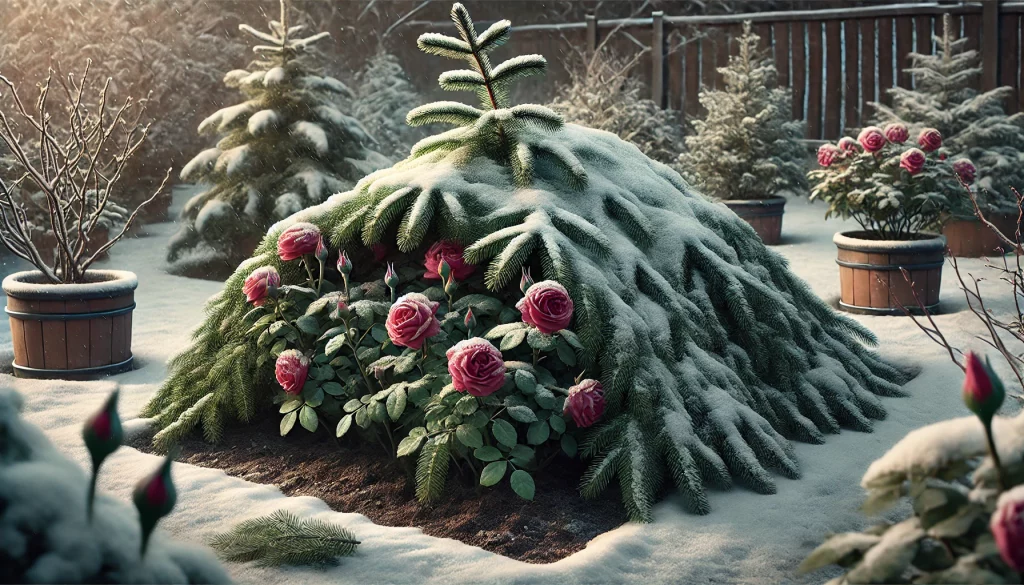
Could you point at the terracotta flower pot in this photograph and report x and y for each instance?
(764, 215)
(969, 238)
(870, 277)
(71, 331)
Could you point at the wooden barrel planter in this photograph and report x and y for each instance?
(969, 238)
(870, 277)
(71, 331)
(764, 215)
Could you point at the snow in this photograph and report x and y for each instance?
(275, 76)
(287, 204)
(200, 163)
(262, 121)
(26, 285)
(213, 210)
(747, 537)
(312, 134)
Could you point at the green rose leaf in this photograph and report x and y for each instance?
(522, 414)
(410, 445)
(288, 422)
(522, 484)
(324, 373)
(362, 419)
(522, 455)
(569, 445)
(467, 405)
(487, 453)
(525, 381)
(572, 339)
(566, 354)
(396, 403)
(316, 399)
(308, 324)
(333, 388)
(278, 347)
(336, 343)
(308, 419)
(483, 305)
(379, 333)
(343, 425)
(557, 423)
(353, 405)
(513, 340)
(503, 330)
(469, 436)
(478, 419)
(504, 432)
(378, 411)
(538, 433)
(331, 333)
(545, 398)
(492, 473)
(290, 405)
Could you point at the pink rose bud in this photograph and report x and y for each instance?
(321, 251)
(896, 133)
(871, 138)
(344, 263)
(451, 285)
(476, 367)
(983, 391)
(929, 139)
(102, 432)
(965, 170)
(848, 145)
(297, 241)
(526, 281)
(585, 403)
(154, 497)
(451, 253)
(470, 320)
(1007, 526)
(390, 277)
(258, 284)
(339, 310)
(547, 306)
(913, 161)
(444, 270)
(291, 369)
(412, 320)
(827, 154)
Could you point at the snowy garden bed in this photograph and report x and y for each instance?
(748, 538)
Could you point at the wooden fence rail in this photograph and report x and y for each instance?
(835, 60)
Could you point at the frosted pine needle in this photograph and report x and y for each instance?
(282, 538)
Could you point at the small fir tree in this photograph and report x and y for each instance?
(288, 146)
(973, 124)
(747, 147)
(384, 96)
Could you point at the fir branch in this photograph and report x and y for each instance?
(283, 539)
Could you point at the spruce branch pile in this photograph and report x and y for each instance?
(384, 95)
(974, 124)
(747, 147)
(282, 538)
(711, 353)
(288, 146)
(603, 94)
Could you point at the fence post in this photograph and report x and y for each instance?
(989, 44)
(658, 58)
(591, 33)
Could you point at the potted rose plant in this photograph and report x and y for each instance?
(400, 357)
(897, 193)
(67, 319)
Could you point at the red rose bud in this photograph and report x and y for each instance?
(390, 278)
(585, 403)
(929, 139)
(154, 496)
(451, 285)
(983, 391)
(470, 319)
(102, 434)
(321, 251)
(1007, 526)
(259, 283)
(297, 241)
(291, 369)
(526, 281)
(344, 264)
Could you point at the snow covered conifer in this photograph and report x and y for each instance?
(709, 352)
(973, 124)
(287, 146)
(384, 95)
(747, 147)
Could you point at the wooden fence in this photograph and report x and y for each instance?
(835, 60)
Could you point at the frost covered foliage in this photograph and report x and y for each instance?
(966, 524)
(384, 96)
(974, 123)
(282, 538)
(45, 536)
(711, 353)
(747, 147)
(604, 94)
(286, 147)
(169, 55)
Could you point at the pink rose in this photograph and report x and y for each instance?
(827, 154)
(1007, 527)
(585, 402)
(896, 133)
(291, 369)
(297, 241)
(412, 320)
(965, 170)
(929, 139)
(847, 144)
(871, 138)
(913, 161)
(258, 283)
(476, 366)
(451, 252)
(546, 306)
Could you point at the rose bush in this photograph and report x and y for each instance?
(472, 379)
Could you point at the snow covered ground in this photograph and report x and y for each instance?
(748, 538)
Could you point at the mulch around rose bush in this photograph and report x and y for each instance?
(356, 476)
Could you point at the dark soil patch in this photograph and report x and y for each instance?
(359, 477)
